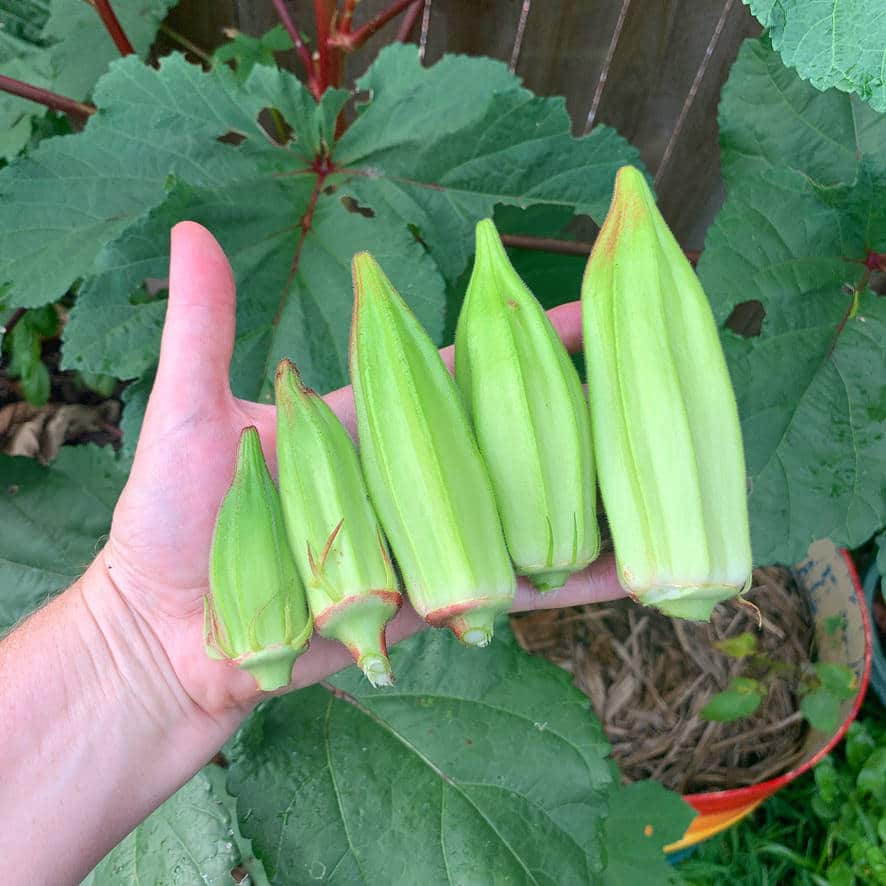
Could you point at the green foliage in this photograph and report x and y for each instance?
(246, 52)
(837, 679)
(815, 441)
(851, 799)
(395, 174)
(24, 347)
(825, 829)
(53, 521)
(643, 818)
(822, 690)
(837, 43)
(189, 839)
(881, 553)
(103, 385)
(821, 709)
(741, 699)
(501, 766)
(22, 56)
(374, 796)
(739, 646)
(62, 46)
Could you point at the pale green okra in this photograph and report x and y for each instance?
(334, 534)
(666, 433)
(427, 480)
(531, 419)
(256, 614)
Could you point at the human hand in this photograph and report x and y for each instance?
(158, 550)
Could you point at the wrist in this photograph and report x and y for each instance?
(91, 698)
(125, 659)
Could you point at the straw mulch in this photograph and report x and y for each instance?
(648, 676)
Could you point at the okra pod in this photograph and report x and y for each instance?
(422, 466)
(334, 534)
(667, 439)
(256, 614)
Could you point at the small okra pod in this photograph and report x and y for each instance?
(335, 537)
(256, 614)
(422, 466)
(666, 434)
(531, 419)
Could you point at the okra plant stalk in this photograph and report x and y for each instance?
(256, 615)
(335, 537)
(667, 439)
(422, 466)
(531, 419)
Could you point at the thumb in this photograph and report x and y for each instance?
(567, 321)
(198, 335)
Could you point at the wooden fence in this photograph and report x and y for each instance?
(653, 69)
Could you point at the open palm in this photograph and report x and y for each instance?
(158, 550)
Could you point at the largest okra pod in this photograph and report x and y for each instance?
(422, 466)
(666, 435)
(531, 419)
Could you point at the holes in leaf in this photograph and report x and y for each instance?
(232, 138)
(329, 190)
(747, 318)
(352, 205)
(275, 126)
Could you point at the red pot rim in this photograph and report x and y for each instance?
(735, 797)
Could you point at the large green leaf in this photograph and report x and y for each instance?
(64, 47)
(769, 117)
(811, 387)
(21, 25)
(468, 771)
(73, 195)
(291, 216)
(188, 841)
(22, 57)
(53, 519)
(81, 47)
(643, 818)
(832, 43)
(499, 144)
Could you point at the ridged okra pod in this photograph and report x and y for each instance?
(334, 534)
(256, 615)
(530, 417)
(422, 466)
(666, 434)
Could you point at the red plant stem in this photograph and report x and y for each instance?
(567, 247)
(327, 61)
(354, 40)
(347, 14)
(52, 100)
(547, 244)
(408, 22)
(113, 26)
(300, 48)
